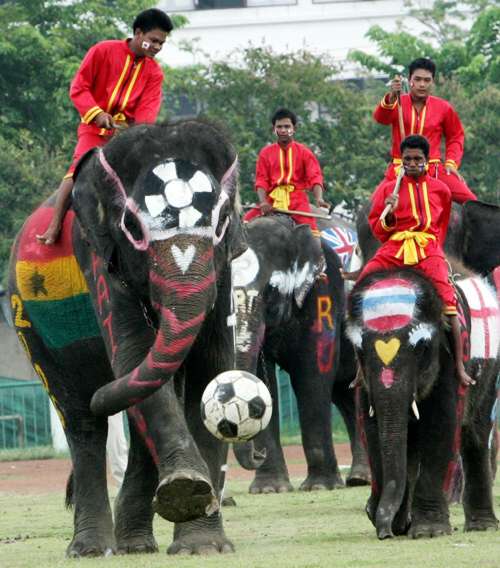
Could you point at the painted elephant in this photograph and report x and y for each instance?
(137, 292)
(415, 415)
(285, 317)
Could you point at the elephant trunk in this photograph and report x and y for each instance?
(183, 290)
(248, 456)
(392, 422)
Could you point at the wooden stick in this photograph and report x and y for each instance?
(302, 213)
(395, 192)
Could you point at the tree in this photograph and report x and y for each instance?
(334, 116)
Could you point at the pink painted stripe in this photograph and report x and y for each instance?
(177, 326)
(483, 314)
(181, 288)
(174, 346)
(170, 366)
(391, 282)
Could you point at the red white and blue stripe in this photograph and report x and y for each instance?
(389, 305)
(343, 241)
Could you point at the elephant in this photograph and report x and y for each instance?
(416, 416)
(286, 317)
(137, 292)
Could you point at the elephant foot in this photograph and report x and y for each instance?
(481, 523)
(143, 544)
(183, 496)
(270, 484)
(202, 537)
(89, 548)
(228, 502)
(358, 476)
(315, 482)
(429, 528)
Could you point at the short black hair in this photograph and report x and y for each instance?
(416, 141)
(152, 19)
(283, 112)
(422, 63)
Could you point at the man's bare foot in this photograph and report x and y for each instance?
(465, 379)
(50, 236)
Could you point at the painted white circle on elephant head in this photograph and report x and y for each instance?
(178, 194)
(244, 268)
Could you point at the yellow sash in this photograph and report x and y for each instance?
(281, 196)
(412, 239)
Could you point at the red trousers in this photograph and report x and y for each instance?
(434, 267)
(86, 141)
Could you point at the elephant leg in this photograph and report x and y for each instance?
(315, 414)
(436, 432)
(478, 499)
(87, 489)
(369, 426)
(205, 534)
(133, 505)
(185, 490)
(344, 399)
(272, 476)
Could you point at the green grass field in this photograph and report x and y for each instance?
(307, 530)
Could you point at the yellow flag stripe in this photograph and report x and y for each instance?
(47, 281)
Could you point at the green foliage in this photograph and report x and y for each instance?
(334, 117)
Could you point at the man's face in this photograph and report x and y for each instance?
(414, 162)
(284, 130)
(149, 44)
(421, 83)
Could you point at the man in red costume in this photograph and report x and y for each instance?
(428, 116)
(414, 231)
(285, 172)
(118, 84)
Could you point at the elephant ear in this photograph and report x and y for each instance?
(88, 205)
(481, 236)
(307, 263)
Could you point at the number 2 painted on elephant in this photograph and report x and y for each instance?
(17, 306)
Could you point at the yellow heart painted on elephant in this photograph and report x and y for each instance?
(387, 350)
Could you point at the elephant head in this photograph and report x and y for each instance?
(157, 206)
(270, 280)
(394, 323)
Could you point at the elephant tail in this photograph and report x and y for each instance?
(69, 501)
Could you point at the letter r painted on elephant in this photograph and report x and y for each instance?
(323, 313)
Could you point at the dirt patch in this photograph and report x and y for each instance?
(50, 476)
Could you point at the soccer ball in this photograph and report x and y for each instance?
(236, 406)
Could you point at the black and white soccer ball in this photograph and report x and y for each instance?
(236, 406)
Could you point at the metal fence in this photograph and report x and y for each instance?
(24, 414)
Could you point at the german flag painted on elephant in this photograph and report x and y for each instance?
(51, 285)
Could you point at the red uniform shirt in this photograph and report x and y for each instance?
(113, 79)
(295, 169)
(436, 119)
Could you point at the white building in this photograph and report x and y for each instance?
(220, 27)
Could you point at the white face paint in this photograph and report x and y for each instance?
(292, 279)
(423, 331)
(183, 259)
(243, 302)
(166, 172)
(156, 204)
(355, 335)
(188, 217)
(244, 268)
(200, 183)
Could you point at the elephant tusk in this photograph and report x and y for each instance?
(414, 407)
(371, 412)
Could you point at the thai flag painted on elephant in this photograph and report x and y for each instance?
(485, 317)
(389, 304)
(51, 285)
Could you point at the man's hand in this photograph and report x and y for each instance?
(266, 208)
(396, 88)
(104, 120)
(320, 202)
(452, 170)
(393, 201)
